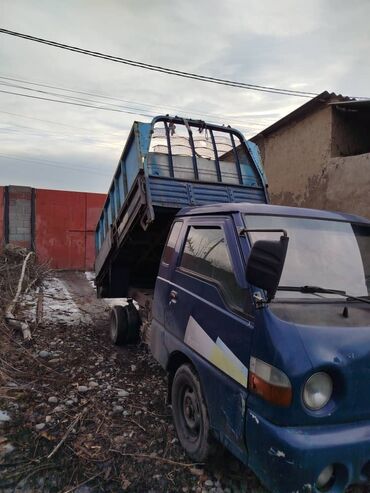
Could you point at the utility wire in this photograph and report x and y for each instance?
(74, 103)
(53, 122)
(66, 96)
(76, 98)
(83, 130)
(161, 69)
(39, 133)
(214, 117)
(54, 164)
(112, 98)
(87, 105)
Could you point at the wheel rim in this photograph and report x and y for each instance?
(191, 415)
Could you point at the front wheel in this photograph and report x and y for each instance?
(190, 414)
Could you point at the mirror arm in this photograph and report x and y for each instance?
(259, 300)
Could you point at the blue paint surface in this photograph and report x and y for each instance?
(286, 447)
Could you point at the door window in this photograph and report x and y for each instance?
(206, 254)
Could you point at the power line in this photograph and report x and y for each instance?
(65, 96)
(74, 103)
(86, 105)
(44, 120)
(38, 132)
(54, 164)
(89, 131)
(161, 69)
(112, 98)
(214, 117)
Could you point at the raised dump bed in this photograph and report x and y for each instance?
(166, 165)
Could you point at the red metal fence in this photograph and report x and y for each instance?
(62, 225)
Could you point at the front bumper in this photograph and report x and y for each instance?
(289, 459)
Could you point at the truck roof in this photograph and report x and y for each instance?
(268, 209)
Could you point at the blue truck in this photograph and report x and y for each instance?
(259, 313)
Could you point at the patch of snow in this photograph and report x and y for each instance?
(27, 306)
(119, 301)
(58, 304)
(111, 302)
(4, 416)
(90, 276)
(8, 448)
(115, 301)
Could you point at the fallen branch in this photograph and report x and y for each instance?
(136, 423)
(65, 436)
(35, 470)
(9, 312)
(155, 457)
(81, 484)
(39, 306)
(29, 354)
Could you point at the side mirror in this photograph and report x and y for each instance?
(265, 264)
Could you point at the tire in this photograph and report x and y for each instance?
(124, 324)
(190, 414)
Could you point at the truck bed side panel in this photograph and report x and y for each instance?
(177, 193)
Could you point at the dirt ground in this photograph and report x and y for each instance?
(78, 414)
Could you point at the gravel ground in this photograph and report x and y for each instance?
(77, 414)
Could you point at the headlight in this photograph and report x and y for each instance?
(317, 390)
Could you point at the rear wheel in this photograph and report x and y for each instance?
(190, 414)
(124, 324)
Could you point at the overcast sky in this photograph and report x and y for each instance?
(312, 46)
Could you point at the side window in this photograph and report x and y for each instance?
(171, 242)
(206, 253)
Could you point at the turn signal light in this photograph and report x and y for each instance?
(270, 383)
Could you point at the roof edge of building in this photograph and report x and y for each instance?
(313, 104)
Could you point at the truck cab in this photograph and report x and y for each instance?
(278, 374)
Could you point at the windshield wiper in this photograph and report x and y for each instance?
(317, 290)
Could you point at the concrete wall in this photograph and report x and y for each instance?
(345, 184)
(293, 158)
(20, 216)
(302, 172)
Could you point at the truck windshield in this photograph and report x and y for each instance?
(330, 254)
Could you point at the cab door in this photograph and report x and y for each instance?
(210, 309)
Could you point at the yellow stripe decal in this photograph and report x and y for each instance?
(216, 353)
